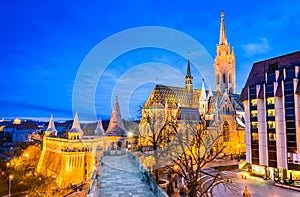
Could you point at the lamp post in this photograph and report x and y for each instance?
(9, 184)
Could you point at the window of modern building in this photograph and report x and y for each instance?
(273, 67)
(271, 112)
(271, 124)
(290, 73)
(288, 85)
(289, 98)
(272, 137)
(254, 113)
(270, 100)
(254, 125)
(253, 102)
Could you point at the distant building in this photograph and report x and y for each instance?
(21, 131)
(221, 109)
(271, 99)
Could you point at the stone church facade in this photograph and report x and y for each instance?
(221, 109)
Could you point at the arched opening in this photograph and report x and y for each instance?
(224, 78)
(226, 133)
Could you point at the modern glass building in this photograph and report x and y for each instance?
(271, 99)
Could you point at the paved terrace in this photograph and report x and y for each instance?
(120, 177)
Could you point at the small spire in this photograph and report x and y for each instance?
(203, 89)
(232, 51)
(223, 39)
(99, 130)
(76, 124)
(203, 92)
(188, 70)
(51, 128)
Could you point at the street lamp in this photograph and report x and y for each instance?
(9, 183)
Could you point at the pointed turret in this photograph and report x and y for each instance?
(203, 100)
(99, 130)
(75, 132)
(203, 92)
(189, 78)
(223, 39)
(116, 126)
(51, 130)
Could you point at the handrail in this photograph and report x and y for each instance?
(159, 192)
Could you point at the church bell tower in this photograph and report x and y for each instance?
(224, 65)
(189, 78)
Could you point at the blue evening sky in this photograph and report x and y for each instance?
(43, 44)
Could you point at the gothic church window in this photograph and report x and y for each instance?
(226, 131)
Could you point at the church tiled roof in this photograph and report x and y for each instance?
(173, 96)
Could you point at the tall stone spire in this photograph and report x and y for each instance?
(223, 39)
(203, 92)
(116, 126)
(99, 130)
(224, 65)
(51, 130)
(189, 77)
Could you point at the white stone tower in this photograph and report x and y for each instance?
(224, 65)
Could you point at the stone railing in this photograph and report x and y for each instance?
(115, 152)
(158, 192)
(95, 178)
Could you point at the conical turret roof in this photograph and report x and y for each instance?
(99, 130)
(51, 127)
(116, 126)
(76, 125)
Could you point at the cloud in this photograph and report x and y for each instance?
(253, 49)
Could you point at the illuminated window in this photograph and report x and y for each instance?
(271, 124)
(254, 113)
(271, 112)
(254, 125)
(272, 136)
(270, 101)
(253, 102)
(255, 136)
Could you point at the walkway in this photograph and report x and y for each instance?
(119, 178)
(256, 186)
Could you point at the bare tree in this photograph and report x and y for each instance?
(192, 149)
(156, 134)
